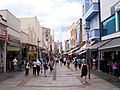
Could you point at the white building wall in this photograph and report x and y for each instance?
(105, 8)
(105, 13)
(24, 37)
(12, 22)
(31, 26)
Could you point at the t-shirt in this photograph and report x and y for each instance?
(34, 64)
(15, 62)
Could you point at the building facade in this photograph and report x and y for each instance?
(13, 46)
(72, 31)
(90, 21)
(110, 18)
(32, 30)
(46, 37)
(3, 41)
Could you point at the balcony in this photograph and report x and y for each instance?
(92, 11)
(87, 25)
(94, 33)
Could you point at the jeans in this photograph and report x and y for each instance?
(45, 72)
(15, 68)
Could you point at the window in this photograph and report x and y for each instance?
(46, 35)
(46, 39)
(109, 26)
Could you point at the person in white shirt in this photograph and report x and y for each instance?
(38, 66)
(34, 67)
(15, 61)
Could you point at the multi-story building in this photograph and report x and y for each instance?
(3, 39)
(32, 30)
(90, 21)
(67, 45)
(46, 37)
(110, 32)
(13, 38)
(90, 24)
(72, 30)
(77, 32)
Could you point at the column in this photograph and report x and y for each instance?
(4, 56)
(98, 60)
(117, 21)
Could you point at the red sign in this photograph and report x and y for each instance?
(13, 39)
(3, 34)
(88, 42)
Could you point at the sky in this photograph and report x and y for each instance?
(53, 14)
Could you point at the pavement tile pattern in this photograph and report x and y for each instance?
(66, 79)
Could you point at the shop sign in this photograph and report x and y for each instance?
(3, 34)
(115, 8)
(13, 39)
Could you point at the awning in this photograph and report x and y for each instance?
(73, 50)
(98, 44)
(114, 43)
(82, 52)
(84, 47)
(12, 48)
(77, 51)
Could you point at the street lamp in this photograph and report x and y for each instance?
(38, 41)
(88, 51)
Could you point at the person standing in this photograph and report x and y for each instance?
(34, 67)
(75, 63)
(27, 67)
(45, 68)
(38, 66)
(84, 70)
(115, 71)
(79, 62)
(15, 62)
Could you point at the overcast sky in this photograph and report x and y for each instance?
(53, 14)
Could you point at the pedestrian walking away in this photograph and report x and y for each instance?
(45, 68)
(27, 67)
(75, 63)
(15, 62)
(79, 62)
(38, 66)
(34, 67)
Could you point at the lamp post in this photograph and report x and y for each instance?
(38, 41)
(88, 51)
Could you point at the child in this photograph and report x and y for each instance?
(27, 69)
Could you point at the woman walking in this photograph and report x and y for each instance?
(84, 69)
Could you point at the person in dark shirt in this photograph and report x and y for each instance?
(84, 69)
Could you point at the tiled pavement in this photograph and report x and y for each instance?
(66, 79)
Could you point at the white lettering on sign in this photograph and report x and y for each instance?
(117, 7)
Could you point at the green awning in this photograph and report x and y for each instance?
(12, 48)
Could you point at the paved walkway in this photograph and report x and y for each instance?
(62, 79)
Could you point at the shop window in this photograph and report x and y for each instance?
(109, 26)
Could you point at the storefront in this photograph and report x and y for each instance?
(110, 54)
(3, 39)
(13, 50)
(29, 51)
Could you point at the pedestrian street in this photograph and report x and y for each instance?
(62, 78)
